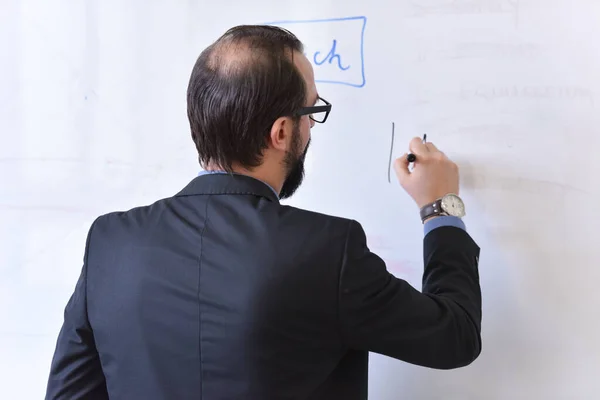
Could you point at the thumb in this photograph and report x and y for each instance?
(401, 168)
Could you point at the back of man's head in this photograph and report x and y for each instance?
(238, 87)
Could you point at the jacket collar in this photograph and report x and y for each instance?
(223, 183)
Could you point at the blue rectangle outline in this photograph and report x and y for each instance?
(362, 43)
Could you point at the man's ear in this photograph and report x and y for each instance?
(281, 133)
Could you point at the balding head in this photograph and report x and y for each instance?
(246, 47)
(240, 85)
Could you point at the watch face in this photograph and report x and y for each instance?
(453, 205)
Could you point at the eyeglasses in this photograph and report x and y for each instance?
(319, 112)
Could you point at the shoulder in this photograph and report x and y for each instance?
(346, 228)
(113, 223)
(292, 212)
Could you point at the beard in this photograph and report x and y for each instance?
(294, 163)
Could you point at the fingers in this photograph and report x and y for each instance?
(433, 150)
(424, 150)
(417, 146)
(401, 167)
(431, 146)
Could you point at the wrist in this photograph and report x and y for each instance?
(448, 205)
(430, 218)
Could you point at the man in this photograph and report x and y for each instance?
(221, 292)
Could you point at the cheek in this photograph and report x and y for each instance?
(306, 127)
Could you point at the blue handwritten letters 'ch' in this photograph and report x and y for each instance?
(332, 55)
(335, 47)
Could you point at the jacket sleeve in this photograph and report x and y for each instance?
(75, 371)
(439, 327)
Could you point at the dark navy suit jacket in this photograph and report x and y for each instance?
(221, 292)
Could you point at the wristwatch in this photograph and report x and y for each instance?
(450, 204)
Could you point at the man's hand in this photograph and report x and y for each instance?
(434, 175)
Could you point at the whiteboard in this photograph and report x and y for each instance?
(93, 119)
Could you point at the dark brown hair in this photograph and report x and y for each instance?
(239, 86)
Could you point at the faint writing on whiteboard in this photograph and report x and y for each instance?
(541, 92)
(423, 8)
(399, 268)
(488, 180)
(379, 242)
(480, 50)
(335, 48)
(382, 246)
(432, 7)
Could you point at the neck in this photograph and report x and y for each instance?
(270, 174)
